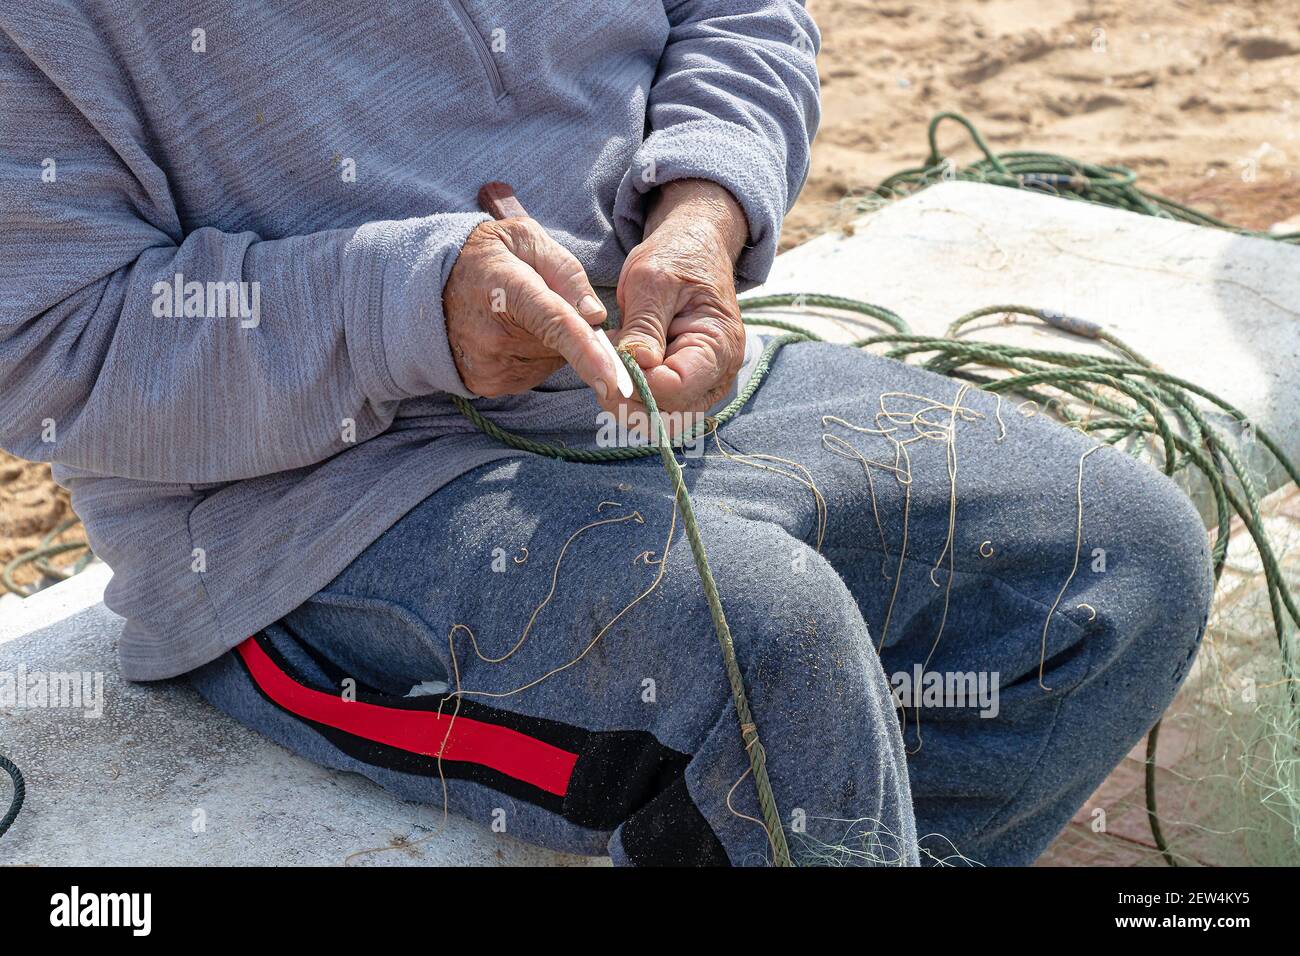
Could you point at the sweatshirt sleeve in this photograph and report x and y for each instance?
(276, 353)
(735, 101)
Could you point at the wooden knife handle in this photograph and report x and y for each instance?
(498, 200)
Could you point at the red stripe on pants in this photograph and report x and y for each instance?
(507, 751)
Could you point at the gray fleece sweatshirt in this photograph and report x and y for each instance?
(225, 227)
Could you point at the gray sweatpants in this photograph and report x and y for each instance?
(943, 662)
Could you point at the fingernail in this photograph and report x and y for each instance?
(590, 305)
(602, 390)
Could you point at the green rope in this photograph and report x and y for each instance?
(1130, 388)
(665, 449)
(19, 793)
(40, 558)
(1151, 391)
(1058, 175)
(748, 728)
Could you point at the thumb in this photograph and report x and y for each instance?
(648, 302)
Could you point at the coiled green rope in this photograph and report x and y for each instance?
(1052, 173)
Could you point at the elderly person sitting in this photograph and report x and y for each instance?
(243, 278)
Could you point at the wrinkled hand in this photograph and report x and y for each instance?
(518, 307)
(677, 294)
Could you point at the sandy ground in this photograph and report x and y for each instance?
(30, 505)
(1201, 97)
